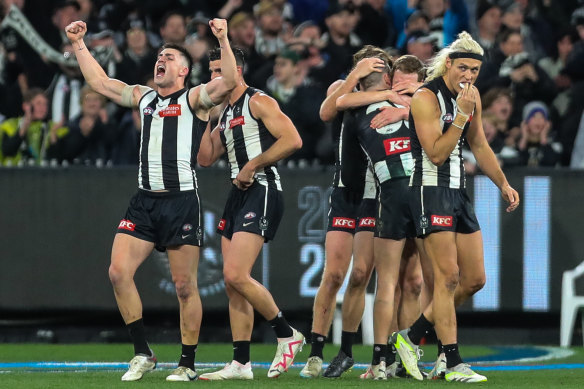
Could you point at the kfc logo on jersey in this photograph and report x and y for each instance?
(171, 110)
(222, 127)
(396, 145)
(221, 225)
(126, 225)
(447, 118)
(367, 222)
(238, 121)
(343, 222)
(441, 221)
(249, 215)
(148, 111)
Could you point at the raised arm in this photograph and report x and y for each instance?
(217, 89)
(116, 90)
(328, 108)
(487, 160)
(280, 126)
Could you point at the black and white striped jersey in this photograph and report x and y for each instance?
(387, 148)
(451, 173)
(170, 140)
(245, 137)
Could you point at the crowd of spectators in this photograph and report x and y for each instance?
(531, 82)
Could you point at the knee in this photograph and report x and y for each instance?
(117, 275)
(471, 286)
(358, 279)
(233, 279)
(184, 287)
(333, 280)
(413, 286)
(450, 281)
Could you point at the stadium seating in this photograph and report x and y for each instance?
(571, 303)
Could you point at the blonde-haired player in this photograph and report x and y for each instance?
(445, 111)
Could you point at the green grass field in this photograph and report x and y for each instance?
(549, 374)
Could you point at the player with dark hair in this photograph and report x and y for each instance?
(166, 212)
(255, 134)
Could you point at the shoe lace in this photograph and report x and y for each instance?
(336, 362)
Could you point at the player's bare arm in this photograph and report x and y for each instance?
(487, 160)
(204, 97)
(116, 90)
(328, 108)
(280, 126)
(426, 114)
(211, 147)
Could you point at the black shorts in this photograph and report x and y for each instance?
(258, 210)
(435, 208)
(344, 210)
(394, 219)
(165, 218)
(366, 215)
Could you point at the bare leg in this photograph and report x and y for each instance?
(354, 299)
(128, 253)
(441, 248)
(472, 266)
(411, 286)
(338, 247)
(184, 261)
(242, 254)
(387, 258)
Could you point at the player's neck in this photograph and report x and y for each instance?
(237, 92)
(448, 83)
(168, 90)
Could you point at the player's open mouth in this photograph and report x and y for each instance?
(160, 71)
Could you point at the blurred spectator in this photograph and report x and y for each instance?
(299, 99)
(306, 41)
(86, 140)
(241, 30)
(447, 19)
(536, 146)
(125, 141)
(488, 19)
(340, 41)
(269, 33)
(173, 28)
(229, 8)
(13, 79)
(417, 21)
(25, 140)
(374, 27)
(420, 44)
(139, 57)
(554, 66)
(65, 91)
(510, 66)
(513, 18)
(499, 101)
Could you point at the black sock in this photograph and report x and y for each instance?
(379, 353)
(391, 352)
(281, 326)
(419, 329)
(452, 355)
(241, 351)
(187, 357)
(138, 336)
(440, 348)
(347, 339)
(316, 345)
